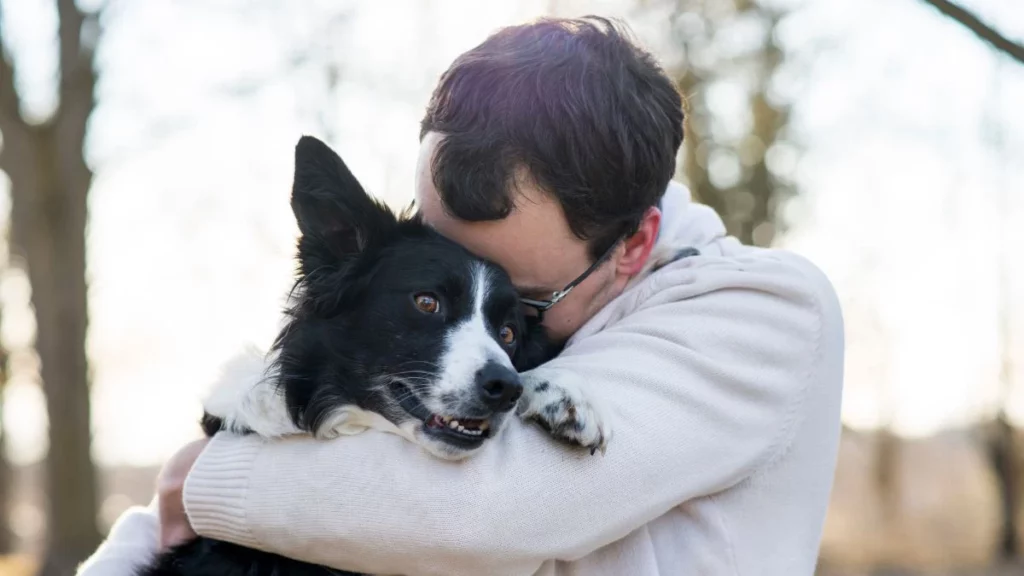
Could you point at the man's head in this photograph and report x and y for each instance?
(546, 149)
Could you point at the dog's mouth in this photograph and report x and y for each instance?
(461, 432)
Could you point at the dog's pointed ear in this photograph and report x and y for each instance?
(336, 217)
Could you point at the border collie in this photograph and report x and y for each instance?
(391, 326)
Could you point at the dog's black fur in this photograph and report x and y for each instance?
(357, 336)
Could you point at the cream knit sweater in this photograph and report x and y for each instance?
(723, 372)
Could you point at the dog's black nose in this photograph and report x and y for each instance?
(498, 387)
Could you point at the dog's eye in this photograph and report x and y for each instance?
(427, 303)
(507, 335)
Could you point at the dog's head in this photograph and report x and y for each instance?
(392, 317)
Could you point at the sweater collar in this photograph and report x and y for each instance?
(685, 223)
(685, 226)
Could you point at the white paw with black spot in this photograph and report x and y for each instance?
(561, 407)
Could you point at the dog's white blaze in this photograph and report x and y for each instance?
(469, 346)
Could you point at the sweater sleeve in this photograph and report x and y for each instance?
(705, 380)
(132, 542)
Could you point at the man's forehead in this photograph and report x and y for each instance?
(533, 244)
(494, 241)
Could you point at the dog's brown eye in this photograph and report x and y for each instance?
(427, 303)
(507, 335)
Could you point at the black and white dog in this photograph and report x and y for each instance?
(391, 327)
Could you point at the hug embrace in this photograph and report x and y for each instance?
(554, 363)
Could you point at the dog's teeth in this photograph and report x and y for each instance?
(477, 428)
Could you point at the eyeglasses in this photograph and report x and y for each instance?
(542, 306)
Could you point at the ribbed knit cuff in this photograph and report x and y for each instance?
(216, 490)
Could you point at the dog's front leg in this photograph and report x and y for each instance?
(558, 404)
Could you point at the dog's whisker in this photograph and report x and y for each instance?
(413, 372)
(424, 362)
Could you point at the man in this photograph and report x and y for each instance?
(549, 149)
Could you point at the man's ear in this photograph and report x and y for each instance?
(336, 217)
(638, 246)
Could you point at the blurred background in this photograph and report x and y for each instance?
(146, 166)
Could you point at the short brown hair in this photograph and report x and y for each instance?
(591, 116)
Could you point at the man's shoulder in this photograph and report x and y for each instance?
(799, 275)
(793, 270)
(729, 288)
(742, 293)
(771, 310)
(739, 268)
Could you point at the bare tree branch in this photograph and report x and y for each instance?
(981, 30)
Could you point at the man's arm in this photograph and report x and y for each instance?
(140, 533)
(705, 380)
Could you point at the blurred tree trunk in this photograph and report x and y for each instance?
(769, 120)
(1004, 446)
(6, 473)
(747, 200)
(1006, 461)
(49, 183)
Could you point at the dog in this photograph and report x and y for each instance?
(393, 327)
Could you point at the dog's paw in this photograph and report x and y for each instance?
(561, 407)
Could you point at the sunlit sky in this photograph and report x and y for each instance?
(912, 183)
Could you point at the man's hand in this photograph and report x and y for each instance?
(170, 485)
